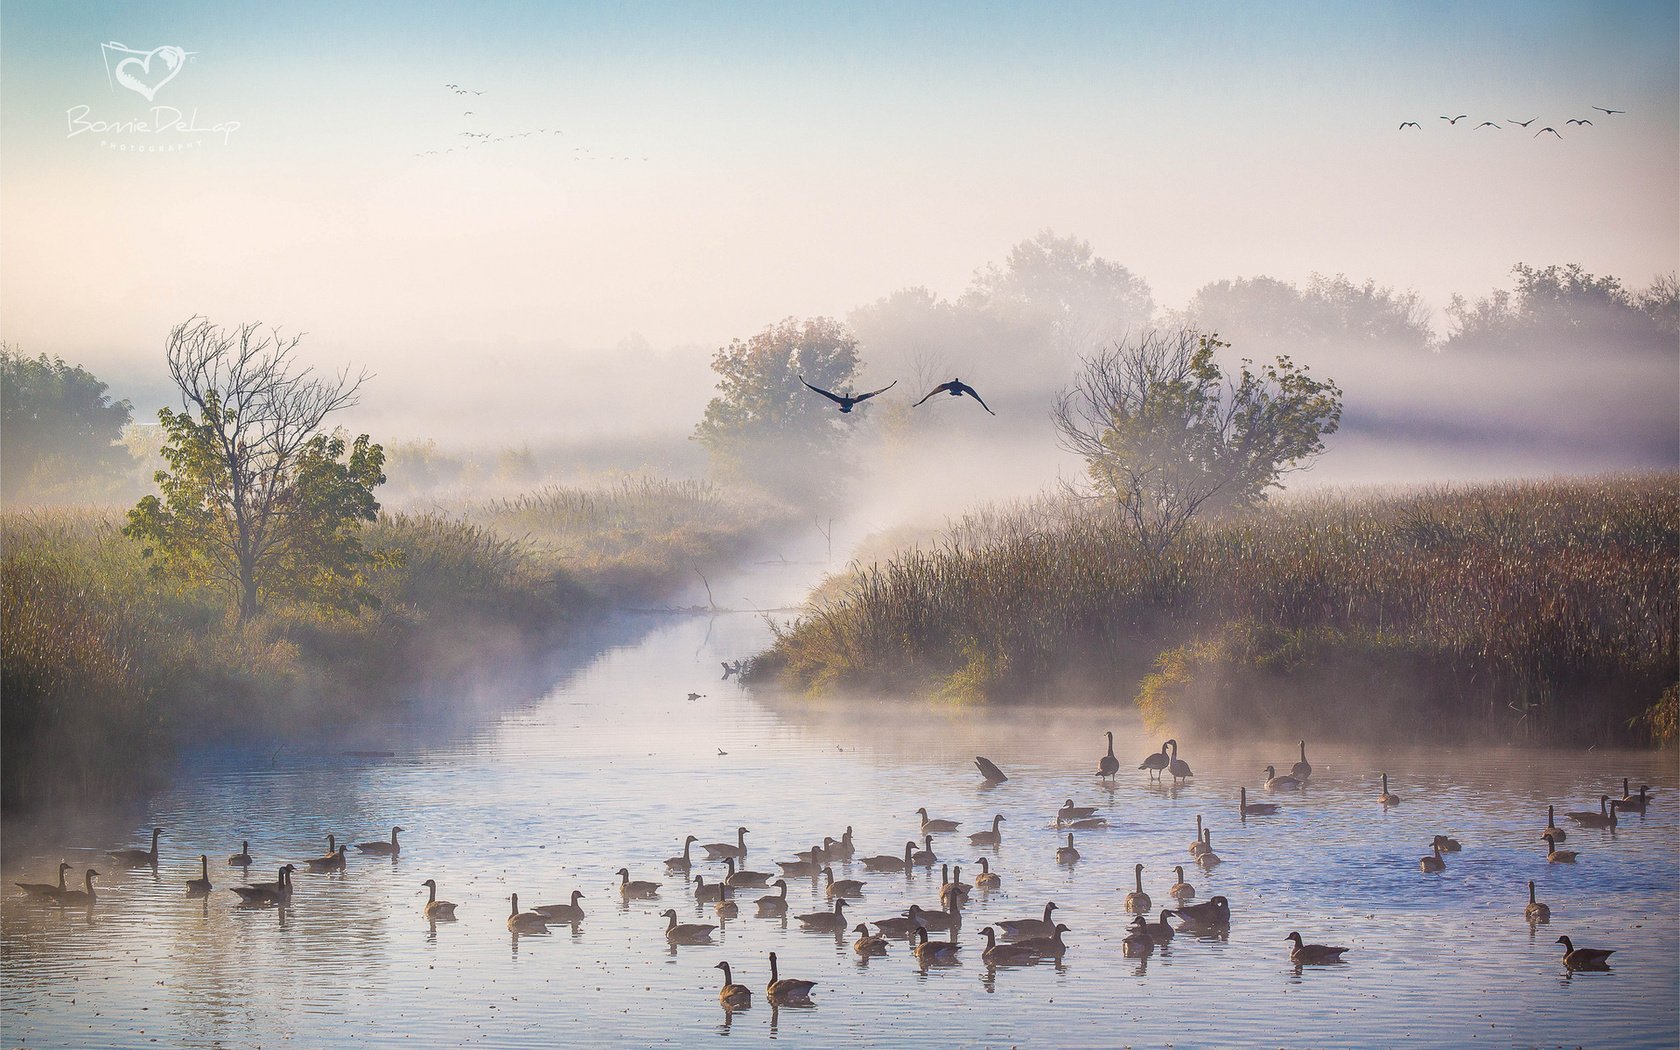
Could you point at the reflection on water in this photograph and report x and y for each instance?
(615, 766)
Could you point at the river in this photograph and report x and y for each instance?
(612, 765)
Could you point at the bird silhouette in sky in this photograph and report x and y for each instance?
(1455, 120)
(1609, 112)
(1411, 124)
(956, 388)
(1523, 123)
(1542, 131)
(846, 401)
(1588, 123)
(1486, 124)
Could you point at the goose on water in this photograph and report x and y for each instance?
(753, 879)
(135, 858)
(635, 890)
(930, 952)
(1052, 946)
(524, 921)
(736, 849)
(733, 996)
(1017, 929)
(1584, 958)
(1555, 855)
(1536, 911)
(1302, 769)
(933, 824)
(1160, 932)
(572, 912)
(436, 909)
(1178, 768)
(987, 879)
(685, 932)
(1433, 862)
(1156, 762)
(868, 943)
(826, 920)
(200, 886)
(1215, 914)
(989, 771)
(776, 903)
(706, 893)
(785, 990)
(891, 864)
(1138, 901)
(995, 954)
(1557, 833)
(685, 860)
(1604, 818)
(1387, 798)
(1180, 891)
(242, 859)
(1277, 783)
(83, 896)
(46, 890)
(1208, 858)
(851, 888)
(387, 849)
(925, 856)
(1067, 854)
(1108, 765)
(993, 837)
(1313, 954)
(1253, 809)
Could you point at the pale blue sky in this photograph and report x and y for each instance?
(803, 159)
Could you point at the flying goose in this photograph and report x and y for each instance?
(846, 401)
(1410, 124)
(956, 388)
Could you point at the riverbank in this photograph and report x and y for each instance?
(1526, 612)
(107, 670)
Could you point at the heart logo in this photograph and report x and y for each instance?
(135, 72)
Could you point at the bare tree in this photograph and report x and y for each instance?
(254, 484)
(1166, 435)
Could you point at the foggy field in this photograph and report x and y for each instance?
(1539, 612)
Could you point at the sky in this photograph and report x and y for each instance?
(707, 169)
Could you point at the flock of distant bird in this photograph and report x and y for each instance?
(485, 138)
(1577, 121)
(1012, 942)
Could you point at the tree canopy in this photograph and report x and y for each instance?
(256, 497)
(1166, 435)
(59, 429)
(1565, 307)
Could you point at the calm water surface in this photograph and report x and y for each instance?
(614, 765)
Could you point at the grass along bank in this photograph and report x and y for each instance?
(106, 668)
(1536, 611)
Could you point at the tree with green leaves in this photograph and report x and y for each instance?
(765, 426)
(257, 497)
(1167, 435)
(58, 428)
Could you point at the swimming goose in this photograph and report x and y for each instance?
(572, 912)
(1069, 811)
(754, 879)
(1179, 768)
(996, 954)
(268, 892)
(1137, 943)
(524, 921)
(1108, 765)
(1604, 818)
(930, 824)
(1198, 847)
(384, 849)
(1433, 863)
(436, 909)
(135, 858)
(1277, 783)
(801, 868)
(824, 852)
(1302, 769)
(1067, 854)
(776, 904)
(1018, 929)
(826, 920)
(1313, 954)
(1156, 762)
(1180, 891)
(1558, 856)
(242, 859)
(733, 996)
(333, 861)
(200, 886)
(1051, 946)
(989, 772)
(686, 860)
(1552, 829)
(987, 879)
(1536, 911)
(736, 849)
(1081, 824)
(727, 908)
(844, 849)
(83, 896)
(1254, 809)
(1584, 958)
(1160, 932)
(685, 932)
(46, 890)
(1387, 798)
(948, 889)
(1214, 914)
(948, 919)
(786, 990)
(889, 864)
(993, 837)
(1208, 858)
(1632, 803)
(637, 890)
(961, 888)
(1448, 844)
(924, 857)
(930, 952)
(841, 887)
(707, 894)
(1138, 901)
(868, 943)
